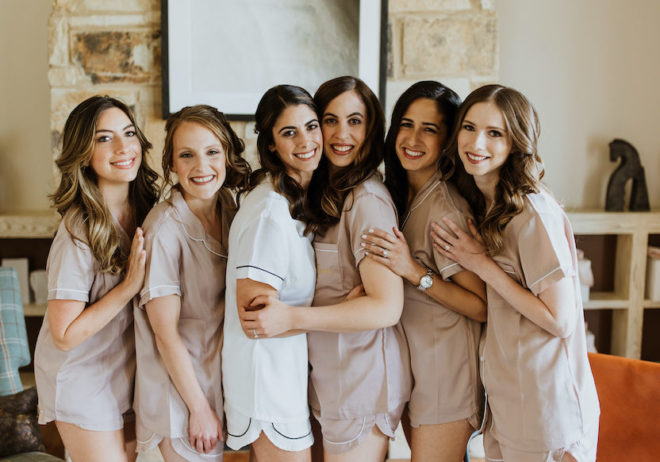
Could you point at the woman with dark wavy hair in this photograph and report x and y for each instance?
(179, 317)
(85, 354)
(270, 254)
(444, 304)
(541, 399)
(360, 373)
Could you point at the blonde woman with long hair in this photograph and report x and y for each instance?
(85, 354)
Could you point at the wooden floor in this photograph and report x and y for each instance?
(237, 456)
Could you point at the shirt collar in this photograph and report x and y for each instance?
(424, 193)
(192, 227)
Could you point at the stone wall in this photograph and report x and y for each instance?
(452, 41)
(113, 47)
(106, 47)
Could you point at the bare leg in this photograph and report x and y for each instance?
(92, 446)
(373, 448)
(265, 451)
(168, 452)
(130, 447)
(445, 442)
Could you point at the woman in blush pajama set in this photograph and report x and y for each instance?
(444, 304)
(541, 398)
(85, 355)
(179, 318)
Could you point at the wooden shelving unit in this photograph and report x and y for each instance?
(632, 230)
(627, 300)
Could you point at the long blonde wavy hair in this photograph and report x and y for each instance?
(79, 194)
(520, 174)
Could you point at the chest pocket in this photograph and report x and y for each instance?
(329, 274)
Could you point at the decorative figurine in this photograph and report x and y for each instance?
(630, 168)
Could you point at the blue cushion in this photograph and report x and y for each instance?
(14, 350)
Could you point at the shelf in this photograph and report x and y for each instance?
(29, 225)
(600, 222)
(34, 309)
(625, 299)
(606, 300)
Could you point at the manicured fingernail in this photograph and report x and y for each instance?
(364, 236)
(362, 244)
(371, 230)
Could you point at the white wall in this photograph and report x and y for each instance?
(592, 70)
(26, 172)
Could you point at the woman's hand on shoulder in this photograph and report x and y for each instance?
(392, 251)
(204, 429)
(135, 267)
(468, 250)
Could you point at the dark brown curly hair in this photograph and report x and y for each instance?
(447, 102)
(328, 190)
(270, 107)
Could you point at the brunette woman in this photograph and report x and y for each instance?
(444, 304)
(270, 254)
(360, 372)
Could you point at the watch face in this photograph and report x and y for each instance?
(426, 282)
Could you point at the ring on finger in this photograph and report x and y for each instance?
(254, 332)
(385, 253)
(447, 247)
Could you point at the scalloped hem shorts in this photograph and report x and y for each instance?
(290, 436)
(583, 450)
(342, 435)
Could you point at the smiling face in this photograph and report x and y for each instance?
(117, 152)
(297, 141)
(421, 137)
(484, 143)
(198, 159)
(344, 128)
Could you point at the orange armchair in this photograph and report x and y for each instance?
(629, 394)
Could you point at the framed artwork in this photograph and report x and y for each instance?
(227, 53)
